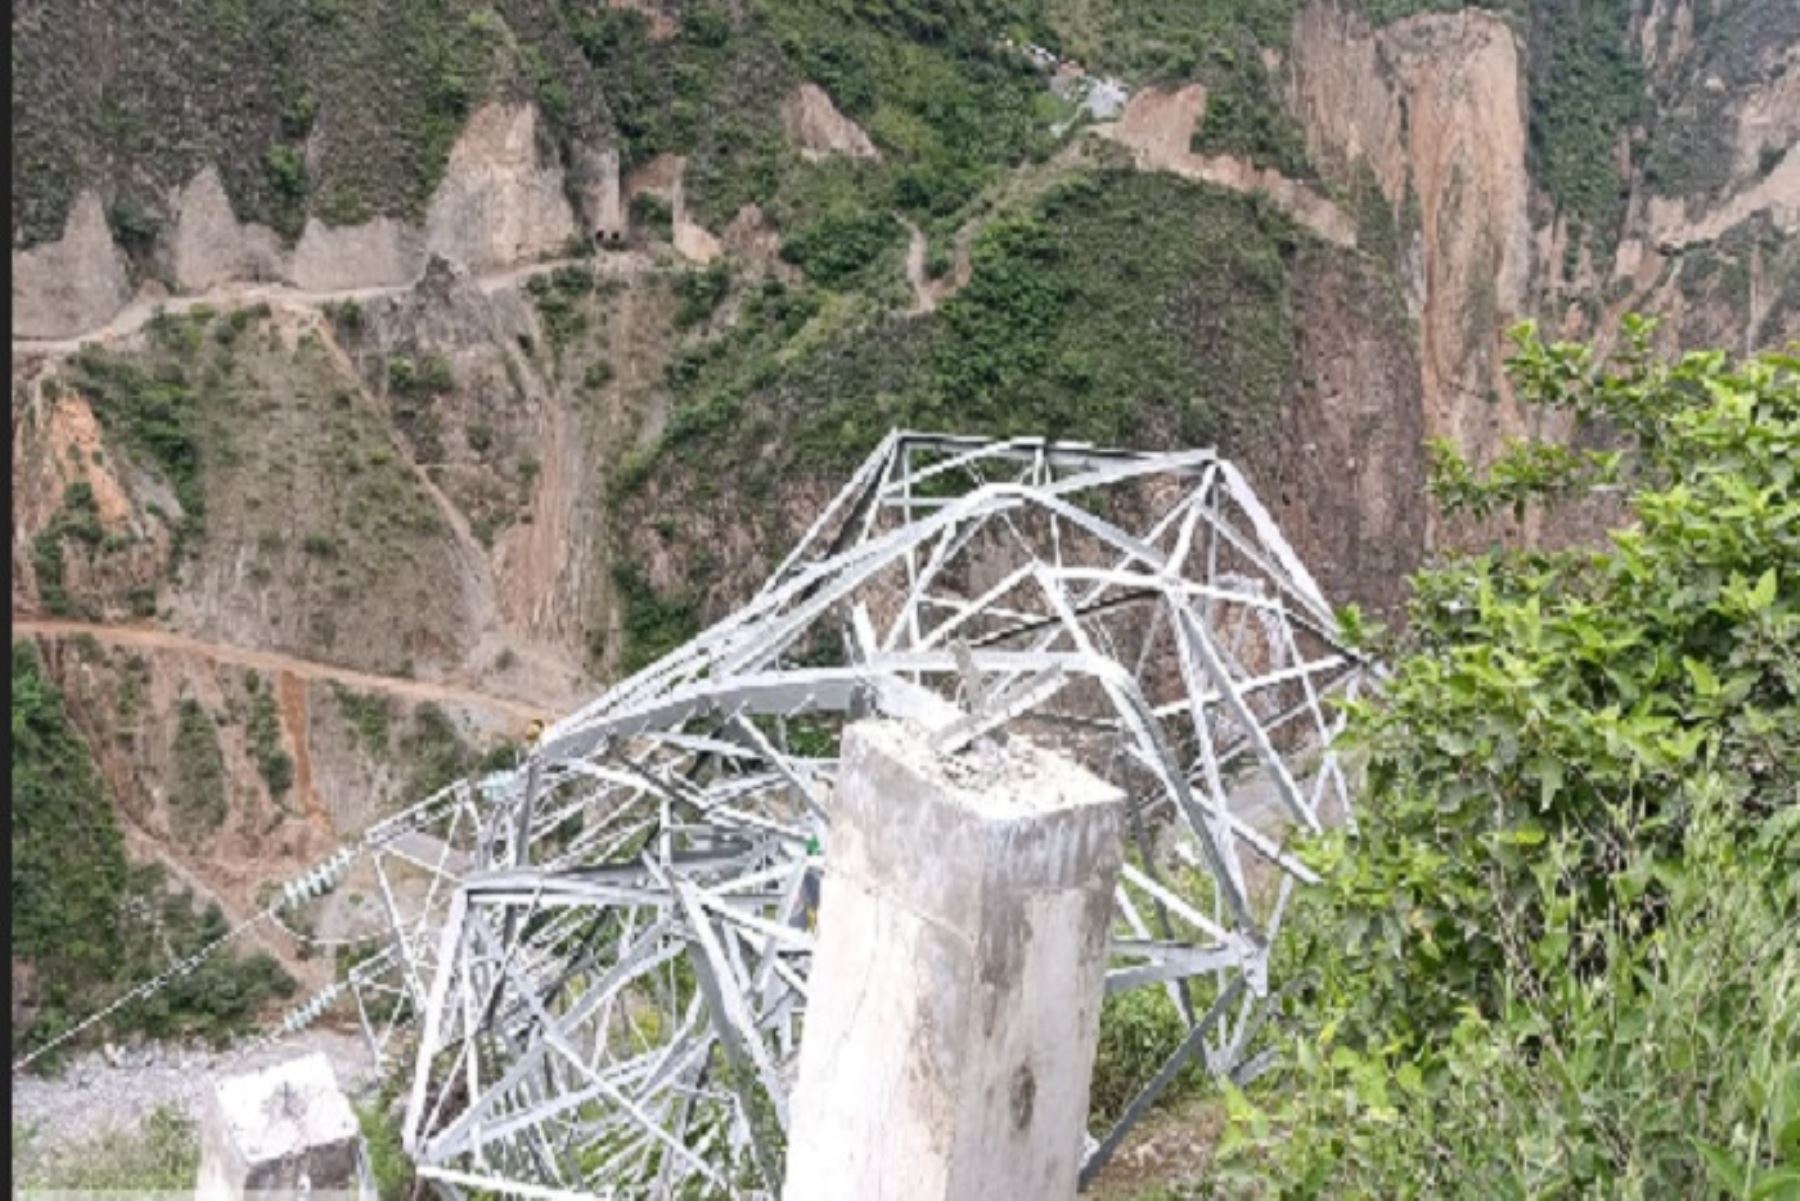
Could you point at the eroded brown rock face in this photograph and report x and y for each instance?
(1434, 106)
(1433, 109)
(819, 129)
(1346, 480)
(58, 443)
(1712, 234)
(1157, 127)
(370, 546)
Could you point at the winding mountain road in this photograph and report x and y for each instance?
(139, 312)
(147, 637)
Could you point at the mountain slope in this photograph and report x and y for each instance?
(506, 342)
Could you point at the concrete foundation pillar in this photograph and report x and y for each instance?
(955, 991)
(285, 1131)
(594, 172)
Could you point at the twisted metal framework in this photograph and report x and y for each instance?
(607, 950)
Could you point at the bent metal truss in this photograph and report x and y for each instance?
(605, 953)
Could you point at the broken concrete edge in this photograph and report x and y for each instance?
(280, 1131)
(1017, 808)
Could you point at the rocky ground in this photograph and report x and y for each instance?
(106, 1091)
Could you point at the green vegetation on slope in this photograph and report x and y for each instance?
(1245, 114)
(157, 410)
(558, 298)
(78, 517)
(654, 624)
(90, 924)
(1122, 307)
(370, 715)
(348, 111)
(1585, 80)
(1693, 138)
(227, 416)
(1149, 40)
(198, 804)
(937, 97)
(243, 85)
(264, 727)
(68, 865)
(1139, 1029)
(389, 1164)
(659, 91)
(1118, 308)
(162, 1154)
(1557, 958)
(439, 753)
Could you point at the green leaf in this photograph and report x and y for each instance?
(1550, 782)
(1763, 595)
(1524, 836)
(1787, 1143)
(1705, 682)
(1778, 1184)
(1724, 1170)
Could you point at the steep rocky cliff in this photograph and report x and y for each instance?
(385, 374)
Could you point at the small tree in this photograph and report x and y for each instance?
(1559, 958)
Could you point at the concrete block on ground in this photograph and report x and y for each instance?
(285, 1131)
(956, 988)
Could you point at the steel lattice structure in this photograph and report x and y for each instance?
(606, 952)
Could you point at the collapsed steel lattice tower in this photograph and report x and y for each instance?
(606, 952)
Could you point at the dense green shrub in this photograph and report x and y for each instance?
(68, 862)
(559, 296)
(1558, 957)
(947, 109)
(835, 249)
(430, 376)
(598, 374)
(1245, 115)
(78, 518)
(1161, 40)
(225, 995)
(286, 172)
(1050, 335)
(371, 716)
(438, 752)
(653, 213)
(133, 225)
(198, 804)
(275, 764)
(156, 410)
(700, 293)
(1119, 307)
(1139, 1029)
(349, 109)
(1585, 91)
(91, 924)
(389, 1164)
(654, 624)
(1383, 12)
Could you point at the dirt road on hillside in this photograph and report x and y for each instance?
(138, 313)
(923, 300)
(275, 663)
